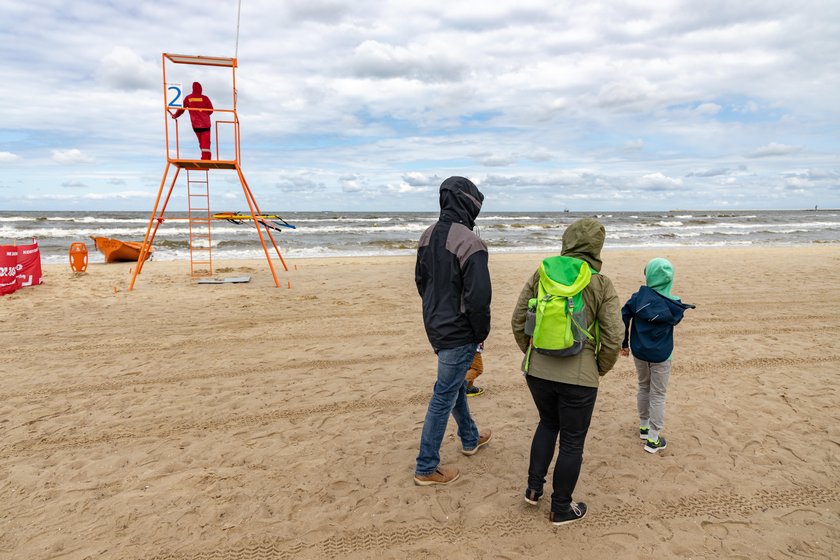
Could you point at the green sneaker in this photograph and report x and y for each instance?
(654, 446)
(474, 391)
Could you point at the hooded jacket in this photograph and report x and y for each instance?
(451, 271)
(196, 100)
(651, 314)
(583, 240)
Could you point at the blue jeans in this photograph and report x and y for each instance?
(449, 396)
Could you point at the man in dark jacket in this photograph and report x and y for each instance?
(200, 109)
(453, 279)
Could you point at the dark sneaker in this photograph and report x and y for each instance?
(474, 391)
(483, 439)
(575, 512)
(643, 432)
(533, 496)
(442, 475)
(654, 446)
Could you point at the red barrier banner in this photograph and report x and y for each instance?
(29, 265)
(8, 269)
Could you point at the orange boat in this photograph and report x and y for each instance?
(116, 250)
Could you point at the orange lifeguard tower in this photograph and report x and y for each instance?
(198, 179)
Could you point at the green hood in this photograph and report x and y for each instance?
(584, 240)
(563, 276)
(659, 276)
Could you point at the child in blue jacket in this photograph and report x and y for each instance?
(649, 318)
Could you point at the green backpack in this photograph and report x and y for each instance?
(556, 319)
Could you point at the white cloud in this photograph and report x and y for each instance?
(422, 179)
(797, 182)
(74, 184)
(715, 172)
(300, 184)
(708, 109)
(773, 149)
(634, 145)
(124, 69)
(352, 183)
(748, 107)
(628, 94)
(71, 157)
(496, 160)
(658, 181)
(8, 157)
(405, 188)
(377, 60)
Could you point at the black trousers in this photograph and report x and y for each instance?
(565, 411)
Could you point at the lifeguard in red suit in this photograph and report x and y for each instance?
(200, 119)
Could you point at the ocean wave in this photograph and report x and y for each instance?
(525, 227)
(20, 219)
(481, 219)
(389, 244)
(341, 219)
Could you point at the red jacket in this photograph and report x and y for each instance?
(195, 100)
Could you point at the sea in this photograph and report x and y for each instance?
(349, 234)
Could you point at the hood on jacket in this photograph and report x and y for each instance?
(659, 276)
(196, 88)
(460, 201)
(584, 240)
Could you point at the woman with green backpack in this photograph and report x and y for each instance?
(567, 321)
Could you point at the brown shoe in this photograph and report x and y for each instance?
(442, 475)
(483, 439)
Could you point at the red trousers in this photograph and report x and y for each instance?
(203, 135)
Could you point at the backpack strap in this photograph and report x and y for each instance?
(586, 332)
(528, 356)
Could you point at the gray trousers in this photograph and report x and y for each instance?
(650, 398)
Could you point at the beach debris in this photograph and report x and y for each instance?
(231, 280)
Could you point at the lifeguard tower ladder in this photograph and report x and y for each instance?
(198, 182)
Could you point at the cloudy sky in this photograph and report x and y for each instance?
(367, 105)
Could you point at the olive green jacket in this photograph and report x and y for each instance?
(583, 240)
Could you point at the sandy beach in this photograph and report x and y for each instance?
(186, 421)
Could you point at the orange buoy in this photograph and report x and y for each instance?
(78, 256)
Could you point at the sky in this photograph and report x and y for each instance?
(368, 105)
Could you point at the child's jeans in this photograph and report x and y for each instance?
(650, 398)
